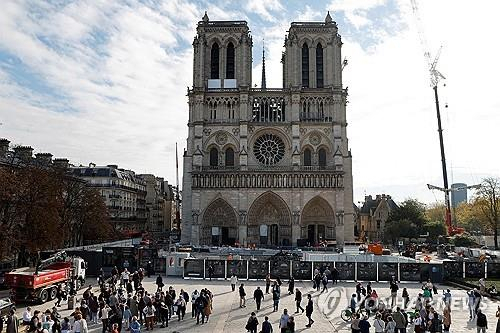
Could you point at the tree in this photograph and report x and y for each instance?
(488, 200)
(407, 221)
(435, 229)
(45, 208)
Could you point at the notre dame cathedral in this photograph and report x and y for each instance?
(267, 166)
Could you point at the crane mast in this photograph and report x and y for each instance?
(435, 77)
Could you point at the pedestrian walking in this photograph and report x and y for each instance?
(284, 321)
(266, 326)
(325, 282)
(406, 297)
(258, 296)
(242, 296)
(309, 310)
(298, 300)
(291, 285)
(276, 299)
(252, 323)
(210, 271)
(268, 282)
(481, 322)
(233, 281)
(447, 319)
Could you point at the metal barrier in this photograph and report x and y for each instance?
(348, 271)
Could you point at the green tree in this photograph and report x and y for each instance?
(407, 221)
(434, 229)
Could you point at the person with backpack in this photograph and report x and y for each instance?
(400, 320)
(252, 323)
(481, 321)
(65, 325)
(390, 326)
(135, 326)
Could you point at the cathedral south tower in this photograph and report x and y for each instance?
(267, 166)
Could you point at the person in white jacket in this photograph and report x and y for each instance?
(379, 324)
(234, 281)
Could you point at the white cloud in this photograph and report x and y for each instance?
(356, 12)
(128, 103)
(267, 9)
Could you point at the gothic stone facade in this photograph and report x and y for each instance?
(268, 166)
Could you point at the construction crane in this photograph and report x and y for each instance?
(435, 77)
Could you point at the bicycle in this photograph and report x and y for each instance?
(348, 315)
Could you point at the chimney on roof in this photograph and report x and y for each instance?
(112, 166)
(24, 153)
(61, 163)
(4, 147)
(368, 198)
(378, 197)
(44, 158)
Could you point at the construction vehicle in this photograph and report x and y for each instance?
(40, 283)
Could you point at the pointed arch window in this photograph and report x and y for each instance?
(319, 66)
(229, 157)
(307, 157)
(305, 66)
(214, 61)
(230, 61)
(322, 157)
(214, 157)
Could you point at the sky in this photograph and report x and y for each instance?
(106, 81)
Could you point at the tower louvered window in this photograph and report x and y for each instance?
(319, 66)
(214, 61)
(230, 61)
(305, 66)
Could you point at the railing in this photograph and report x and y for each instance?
(314, 117)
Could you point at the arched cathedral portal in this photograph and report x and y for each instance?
(317, 222)
(269, 221)
(220, 224)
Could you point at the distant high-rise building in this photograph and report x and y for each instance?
(458, 194)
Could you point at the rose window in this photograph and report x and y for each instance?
(269, 149)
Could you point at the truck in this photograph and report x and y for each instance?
(40, 283)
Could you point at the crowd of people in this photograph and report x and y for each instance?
(120, 302)
(423, 314)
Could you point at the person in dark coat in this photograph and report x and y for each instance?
(159, 283)
(258, 296)
(291, 285)
(298, 300)
(309, 310)
(252, 323)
